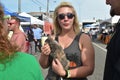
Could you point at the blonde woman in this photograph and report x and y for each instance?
(77, 47)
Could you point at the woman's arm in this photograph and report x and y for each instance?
(87, 57)
(44, 56)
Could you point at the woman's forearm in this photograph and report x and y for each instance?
(43, 60)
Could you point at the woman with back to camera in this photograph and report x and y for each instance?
(15, 65)
(77, 46)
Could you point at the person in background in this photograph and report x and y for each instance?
(30, 36)
(37, 36)
(112, 64)
(48, 27)
(77, 46)
(15, 65)
(18, 37)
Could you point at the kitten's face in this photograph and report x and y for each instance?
(56, 49)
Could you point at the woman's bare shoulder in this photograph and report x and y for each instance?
(85, 37)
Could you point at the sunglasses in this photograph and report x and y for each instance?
(69, 16)
(11, 23)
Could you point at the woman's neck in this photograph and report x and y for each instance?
(67, 33)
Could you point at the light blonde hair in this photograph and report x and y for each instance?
(57, 28)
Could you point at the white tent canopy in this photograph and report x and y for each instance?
(33, 19)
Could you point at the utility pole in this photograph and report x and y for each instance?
(47, 7)
(40, 9)
(19, 6)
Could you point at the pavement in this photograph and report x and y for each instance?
(100, 56)
(43, 70)
(100, 45)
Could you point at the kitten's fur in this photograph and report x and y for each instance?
(56, 52)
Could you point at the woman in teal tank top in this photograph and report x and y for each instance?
(15, 65)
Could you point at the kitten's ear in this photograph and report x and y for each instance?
(50, 37)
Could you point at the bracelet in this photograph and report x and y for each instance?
(68, 72)
(67, 75)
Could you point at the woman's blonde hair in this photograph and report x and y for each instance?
(57, 28)
(6, 48)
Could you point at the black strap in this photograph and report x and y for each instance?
(78, 36)
(56, 38)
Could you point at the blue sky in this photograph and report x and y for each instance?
(86, 9)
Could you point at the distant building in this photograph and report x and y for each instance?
(42, 15)
(86, 23)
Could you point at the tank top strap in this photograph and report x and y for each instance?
(78, 36)
(56, 38)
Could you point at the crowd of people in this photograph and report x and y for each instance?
(17, 63)
(34, 34)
